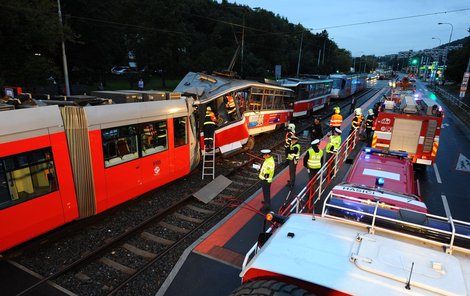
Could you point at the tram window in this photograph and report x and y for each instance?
(25, 176)
(154, 137)
(338, 83)
(119, 144)
(181, 135)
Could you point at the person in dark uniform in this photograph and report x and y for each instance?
(210, 122)
(266, 175)
(293, 158)
(287, 141)
(369, 127)
(316, 130)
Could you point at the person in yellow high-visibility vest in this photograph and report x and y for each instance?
(313, 159)
(266, 175)
(293, 157)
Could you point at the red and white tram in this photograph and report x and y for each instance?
(260, 107)
(310, 94)
(345, 85)
(59, 164)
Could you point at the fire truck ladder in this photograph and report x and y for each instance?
(208, 161)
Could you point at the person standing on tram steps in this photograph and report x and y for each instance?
(210, 122)
(231, 107)
(140, 84)
(313, 159)
(316, 130)
(369, 127)
(266, 175)
(289, 133)
(353, 104)
(293, 158)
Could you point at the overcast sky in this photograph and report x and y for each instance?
(378, 38)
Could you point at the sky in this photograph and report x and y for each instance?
(377, 38)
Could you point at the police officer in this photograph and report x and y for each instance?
(335, 142)
(289, 133)
(266, 174)
(293, 158)
(336, 119)
(210, 122)
(313, 159)
(369, 127)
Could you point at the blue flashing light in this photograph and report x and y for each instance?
(368, 150)
(380, 181)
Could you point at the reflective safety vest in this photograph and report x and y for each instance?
(210, 118)
(267, 170)
(230, 104)
(336, 120)
(335, 142)
(356, 122)
(288, 140)
(370, 121)
(292, 154)
(314, 158)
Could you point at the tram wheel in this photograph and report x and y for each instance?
(270, 287)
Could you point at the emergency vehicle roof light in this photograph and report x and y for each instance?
(380, 181)
(273, 217)
(368, 150)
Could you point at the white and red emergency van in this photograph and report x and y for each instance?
(409, 122)
(384, 176)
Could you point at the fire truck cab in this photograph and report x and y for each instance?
(409, 122)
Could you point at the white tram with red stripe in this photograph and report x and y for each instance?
(59, 164)
(310, 94)
(260, 107)
(345, 85)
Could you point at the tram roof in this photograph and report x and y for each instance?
(293, 82)
(209, 87)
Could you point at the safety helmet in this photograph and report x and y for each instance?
(315, 142)
(371, 112)
(209, 108)
(338, 131)
(336, 109)
(358, 111)
(291, 127)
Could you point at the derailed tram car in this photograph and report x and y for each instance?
(59, 164)
(255, 107)
(345, 85)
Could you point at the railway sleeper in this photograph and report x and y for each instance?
(157, 239)
(117, 266)
(187, 218)
(173, 227)
(200, 210)
(139, 252)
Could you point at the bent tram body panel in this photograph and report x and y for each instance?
(90, 158)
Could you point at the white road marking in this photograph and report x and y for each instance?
(446, 206)
(438, 177)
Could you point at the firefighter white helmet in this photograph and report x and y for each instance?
(358, 111)
(209, 108)
(291, 127)
(371, 112)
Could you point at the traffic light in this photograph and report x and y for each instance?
(414, 61)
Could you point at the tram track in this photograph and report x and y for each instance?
(124, 257)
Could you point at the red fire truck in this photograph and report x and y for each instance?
(409, 122)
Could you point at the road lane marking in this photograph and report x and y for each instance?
(446, 206)
(438, 177)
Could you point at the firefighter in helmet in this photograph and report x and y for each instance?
(357, 120)
(266, 175)
(293, 157)
(289, 133)
(313, 159)
(336, 119)
(210, 122)
(369, 127)
(231, 107)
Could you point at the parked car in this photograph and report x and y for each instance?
(120, 70)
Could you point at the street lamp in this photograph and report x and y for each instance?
(440, 42)
(450, 38)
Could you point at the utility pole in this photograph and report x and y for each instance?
(300, 53)
(64, 57)
(243, 46)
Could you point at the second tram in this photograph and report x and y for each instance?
(310, 94)
(345, 85)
